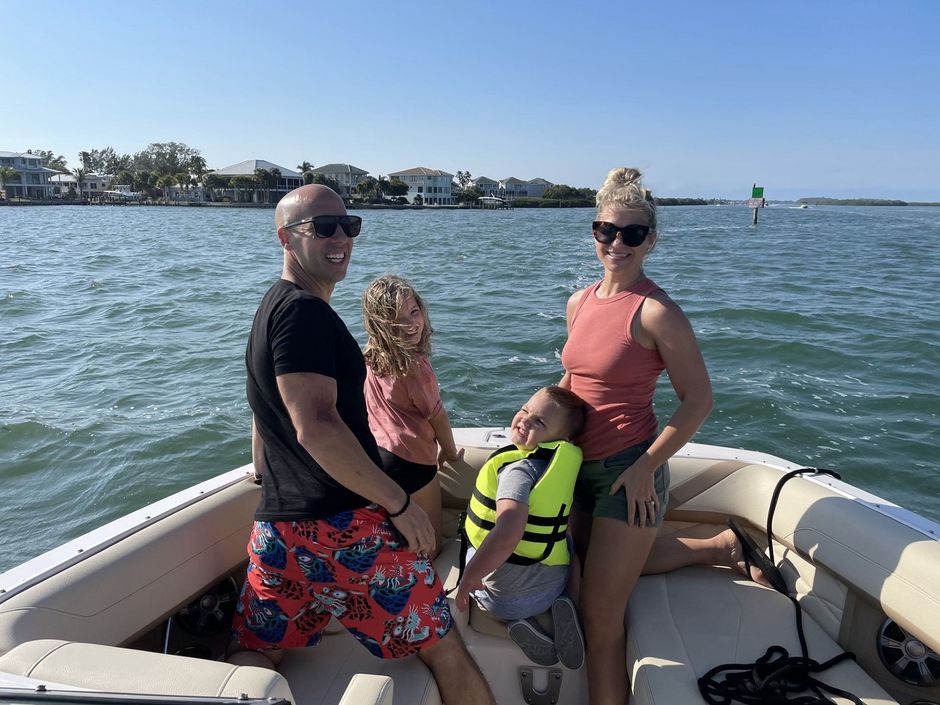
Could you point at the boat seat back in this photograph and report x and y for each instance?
(124, 589)
(119, 670)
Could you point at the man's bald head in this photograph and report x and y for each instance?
(306, 202)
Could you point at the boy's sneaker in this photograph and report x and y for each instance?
(569, 641)
(534, 643)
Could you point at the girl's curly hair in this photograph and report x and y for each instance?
(387, 351)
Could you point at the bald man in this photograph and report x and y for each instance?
(333, 534)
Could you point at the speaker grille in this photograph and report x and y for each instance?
(907, 657)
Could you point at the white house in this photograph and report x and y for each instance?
(32, 180)
(433, 185)
(346, 175)
(92, 185)
(288, 182)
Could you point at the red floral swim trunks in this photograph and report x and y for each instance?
(350, 566)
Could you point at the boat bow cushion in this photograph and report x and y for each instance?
(114, 669)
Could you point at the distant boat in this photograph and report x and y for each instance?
(803, 205)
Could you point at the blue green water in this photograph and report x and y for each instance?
(122, 334)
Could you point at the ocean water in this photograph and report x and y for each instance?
(122, 336)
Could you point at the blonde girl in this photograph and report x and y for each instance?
(406, 414)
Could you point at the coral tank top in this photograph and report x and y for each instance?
(611, 371)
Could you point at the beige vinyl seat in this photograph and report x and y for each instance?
(119, 670)
(682, 624)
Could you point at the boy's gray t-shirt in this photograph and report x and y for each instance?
(516, 482)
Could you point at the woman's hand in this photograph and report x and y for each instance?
(642, 501)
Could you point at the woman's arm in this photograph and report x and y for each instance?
(663, 325)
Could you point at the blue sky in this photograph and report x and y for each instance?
(807, 98)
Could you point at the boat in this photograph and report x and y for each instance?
(143, 604)
(803, 205)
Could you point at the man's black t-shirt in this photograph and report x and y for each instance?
(294, 331)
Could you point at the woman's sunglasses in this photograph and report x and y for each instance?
(325, 225)
(632, 235)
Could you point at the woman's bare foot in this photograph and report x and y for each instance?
(735, 560)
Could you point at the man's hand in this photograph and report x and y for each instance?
(415, 527)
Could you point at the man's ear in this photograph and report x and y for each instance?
(283, 238)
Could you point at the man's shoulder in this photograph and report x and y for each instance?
(285, 296)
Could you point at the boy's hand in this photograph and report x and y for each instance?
(462, 598)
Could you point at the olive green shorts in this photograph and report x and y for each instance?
(592, 490)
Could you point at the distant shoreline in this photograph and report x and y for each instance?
(520, 203)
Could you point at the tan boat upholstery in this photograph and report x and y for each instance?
(114, 669)
(366, 689)
(119, 593)
(683, 623)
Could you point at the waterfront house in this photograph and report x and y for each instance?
(32, 178)
(288, 181)
(486, 185)
(91, 187)
(433, 185)
(346, 176)
(536, 187)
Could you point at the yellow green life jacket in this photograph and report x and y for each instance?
(549, 502)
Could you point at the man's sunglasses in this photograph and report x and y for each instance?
(325, 225)
(632, 235)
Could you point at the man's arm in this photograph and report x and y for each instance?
(310, 400)
(257, 449)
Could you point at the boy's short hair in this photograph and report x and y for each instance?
(572, 405)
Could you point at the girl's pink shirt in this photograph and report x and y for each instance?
(400, 410)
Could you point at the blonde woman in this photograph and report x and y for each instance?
(406, 414)
(623, 331)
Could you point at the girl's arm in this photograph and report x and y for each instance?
(440, 422)
(496, 548)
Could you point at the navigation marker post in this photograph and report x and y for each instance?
(756, 201)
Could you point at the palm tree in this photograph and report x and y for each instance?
(366, 186)
(273, 179)
(304, 167)
(184, 180)
(213, 182)
(164, 183)
(7, 174)
(79, 175)
(241, 183)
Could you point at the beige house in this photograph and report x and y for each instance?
(346, 175)
(433, 185)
